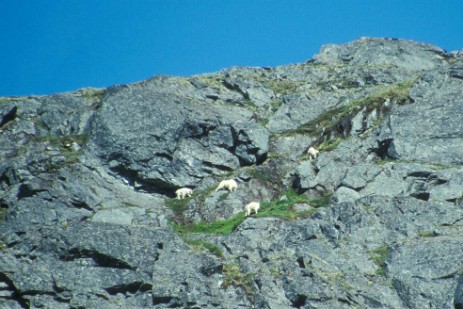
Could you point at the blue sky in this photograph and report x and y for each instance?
(53, 46)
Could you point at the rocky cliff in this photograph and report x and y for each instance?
(89, 217)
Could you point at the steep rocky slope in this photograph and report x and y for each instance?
(88, 181)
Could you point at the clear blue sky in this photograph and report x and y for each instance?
(51, 46)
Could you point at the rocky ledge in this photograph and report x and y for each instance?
(90, 219)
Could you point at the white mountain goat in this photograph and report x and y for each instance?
(313, 153)
(253, 206)
(229, 184)
(183, 192)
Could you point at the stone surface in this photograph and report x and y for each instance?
(89, 219)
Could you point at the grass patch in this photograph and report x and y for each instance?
(210, 80)
(258, 174)
(426, 233)
(275, 105)
(177, 206)
(279, 208)
(330, 144)
(234, 277)
(91, 94)
(282, 207)
(378, 256)
(201, 245)
(3, 212)
(284, 86)
(64, 140)
(223, 227)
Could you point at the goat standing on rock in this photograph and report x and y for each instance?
(249, 208)
(229, 184)
(183, 192)
(313, 153)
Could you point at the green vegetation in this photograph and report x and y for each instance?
(234, 277)
(64, 143)
(280, 208)
(284, 86)
(3, 212)
(258, 174)
(201, 245)
(91, 94)
(426, 233)
(6, 100)
(177, 206)
(328, 120)
(330, 144)
(275, 105)
(211, 80)
(218, 227)
(64, 140)
(275, 155)
(378, 256)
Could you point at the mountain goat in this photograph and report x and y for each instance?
(253, 206)
(313, 153)
(183, 192)
(229, 184)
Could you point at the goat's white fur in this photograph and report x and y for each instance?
(183, 192)
(229, 184)
(313, 153)
(249, 208)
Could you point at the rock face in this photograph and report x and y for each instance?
(89, 217)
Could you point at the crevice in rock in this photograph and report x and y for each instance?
(344, 301)
(229, 250)
(15, 295)
(129, 175)
(382, 150)
(344, 126)
(440, 181)
(164, 155)
(196, 129)
(102, 260)
(300, 262)
(130, 288)
(148, 185)
(81, 205)
(427, 176)
(157, 300)
(235, 87)
(25, 191)
(9, 116)
(299, 301)
(421, 195)
(219, 167)
(210, 270)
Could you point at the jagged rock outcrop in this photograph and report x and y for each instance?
(89, 217)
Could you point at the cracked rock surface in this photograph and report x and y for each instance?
(89, 218)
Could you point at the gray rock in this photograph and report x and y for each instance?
(88, 180)
(427, 131)
(345, 194)
(401, 53)
(358, 176)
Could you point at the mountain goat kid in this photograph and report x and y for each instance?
(253, 206)
(229, 184)
(183, 192)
